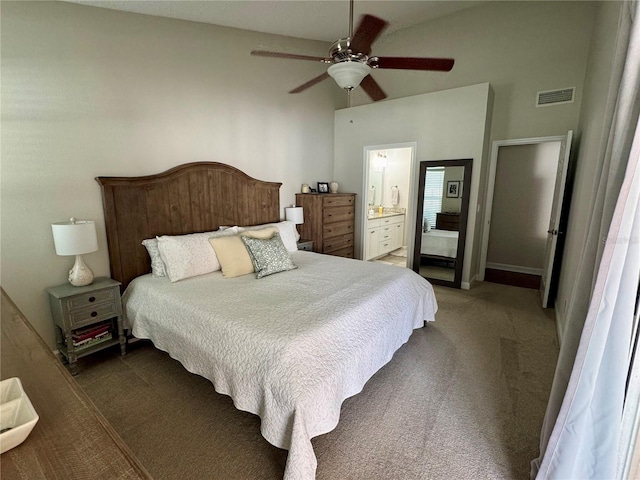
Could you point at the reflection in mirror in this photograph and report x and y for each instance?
(375, 187)
(441, 220)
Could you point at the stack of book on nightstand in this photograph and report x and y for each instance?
(92, 335)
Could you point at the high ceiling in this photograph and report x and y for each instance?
(325, 20)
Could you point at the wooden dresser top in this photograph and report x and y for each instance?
(72, 439)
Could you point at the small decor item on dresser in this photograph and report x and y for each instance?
(333, 187)
(305, 188)
(323, 187)
(76, 237)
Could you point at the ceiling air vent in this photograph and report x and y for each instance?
(555, 97)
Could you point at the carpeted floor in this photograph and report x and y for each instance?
(463, 399)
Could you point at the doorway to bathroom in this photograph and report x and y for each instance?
(388, 203)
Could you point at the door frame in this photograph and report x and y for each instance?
(412, 196)
(491, 182)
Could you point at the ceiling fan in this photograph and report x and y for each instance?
(350, 61)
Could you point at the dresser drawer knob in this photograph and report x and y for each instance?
(92, 299)
(94, 314)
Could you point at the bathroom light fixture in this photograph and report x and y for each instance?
(76, 237)
(348, 75)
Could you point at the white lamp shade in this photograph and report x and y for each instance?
(348, 74)
(75, 237)
(294, 214)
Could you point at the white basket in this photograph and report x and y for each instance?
(16, 414)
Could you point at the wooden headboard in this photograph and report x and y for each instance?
(194, 197)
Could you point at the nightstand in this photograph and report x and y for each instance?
(82, 315)
(305, 245)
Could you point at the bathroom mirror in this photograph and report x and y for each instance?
(376, 180)
(441, 220)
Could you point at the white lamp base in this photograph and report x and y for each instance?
(80, 275)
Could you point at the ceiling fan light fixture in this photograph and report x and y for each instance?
(348, 75)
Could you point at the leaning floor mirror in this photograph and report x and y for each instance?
(441, 220)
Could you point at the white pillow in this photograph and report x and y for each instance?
(186, 256)
(157, 267)
(288, 233)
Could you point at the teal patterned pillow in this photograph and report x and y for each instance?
(268, 256)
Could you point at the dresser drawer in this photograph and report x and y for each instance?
(335, 229)
(91, 298)
(346, 252)
(93, 314)
(336, 243)
(338, 201)
(338, 214)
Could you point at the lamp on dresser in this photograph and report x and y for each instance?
(76, 237)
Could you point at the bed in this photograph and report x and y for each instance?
(439, 243)
(309, 337)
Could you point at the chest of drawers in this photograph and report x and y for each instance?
(329, 222)
(448, 221)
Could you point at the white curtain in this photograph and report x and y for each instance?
(582, 430)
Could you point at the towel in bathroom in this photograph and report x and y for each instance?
(372, 195)
(395, 196)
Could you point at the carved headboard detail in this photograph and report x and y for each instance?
(194, 197)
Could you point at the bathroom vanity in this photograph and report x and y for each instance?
(385, 233)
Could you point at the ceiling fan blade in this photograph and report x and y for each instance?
(264, 53)
(368, 30)
(372, 88)
(310, 83)
(413, 63)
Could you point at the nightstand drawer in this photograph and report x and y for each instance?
(91, 298)
(92, 314)
(306, 245)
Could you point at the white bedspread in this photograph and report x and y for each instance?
(443, 243)
(289, 347)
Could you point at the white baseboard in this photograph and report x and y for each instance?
(514, 268)
(469, 284)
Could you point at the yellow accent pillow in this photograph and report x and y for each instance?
(232, 252)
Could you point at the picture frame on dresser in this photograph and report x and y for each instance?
(323, 187)
(453, 189)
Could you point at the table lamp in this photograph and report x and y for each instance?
(76, 237)
(294, 214)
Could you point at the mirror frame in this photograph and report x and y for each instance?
(467, 163)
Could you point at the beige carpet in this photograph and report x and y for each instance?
(463, 399)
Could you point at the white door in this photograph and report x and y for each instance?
(554, 221)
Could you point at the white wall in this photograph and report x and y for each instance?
(451, 204)
(89, 92)
(592, 135)
(450, 124)
(519, 47)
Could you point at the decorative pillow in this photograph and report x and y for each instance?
(269, 256)
(232, 253)
(157, 267)
(288, 233)
(186, 256)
